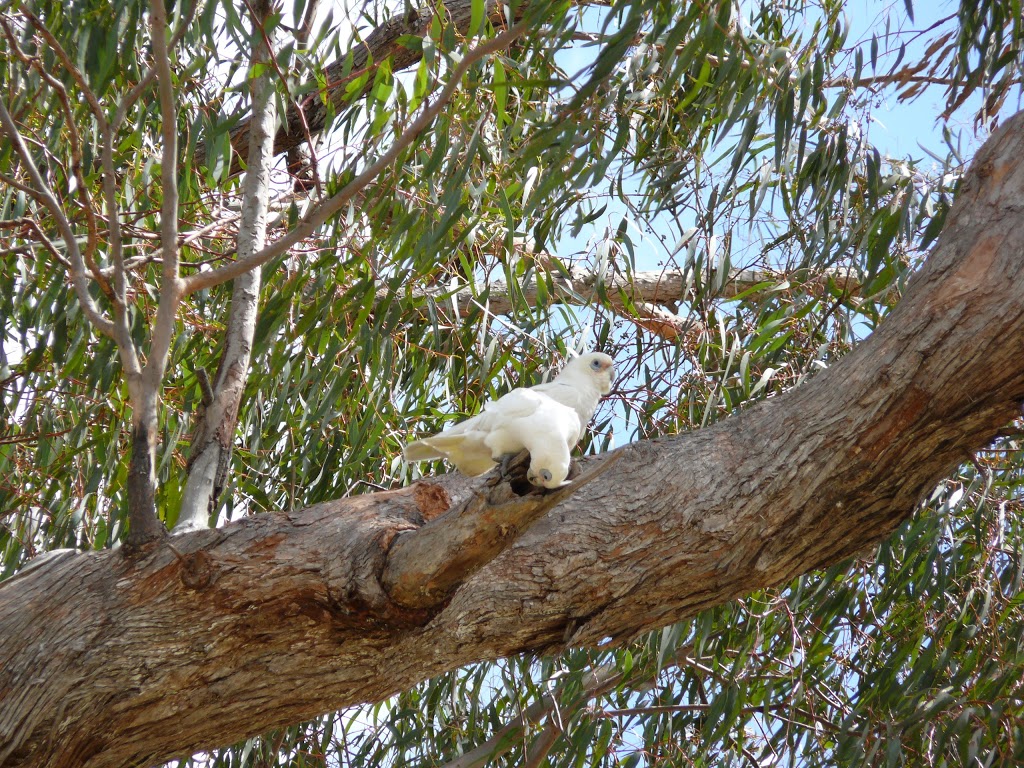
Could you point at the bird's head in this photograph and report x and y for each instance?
(548, 471)
(596, 366)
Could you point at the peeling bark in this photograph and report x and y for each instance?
(110, 660)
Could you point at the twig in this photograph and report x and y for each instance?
(144, 82)
(47, 243)
(76, 75)
(597, 682)
(75, 137)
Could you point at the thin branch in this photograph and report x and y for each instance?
(47, 243)
(209, 458)
(332, 205)
(301, 36)
(772, 709)
(170, 289)
(46, 197)
(597, 682)
(297, 159)
(117, 294)
(30, 223)
(542, 744)
(115, 242)
(303, 32)
(641, 297)
(31, 191)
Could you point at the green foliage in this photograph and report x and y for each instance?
(623, 139)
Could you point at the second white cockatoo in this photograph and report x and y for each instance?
(547, 420)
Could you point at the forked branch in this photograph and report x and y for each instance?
(426, 564)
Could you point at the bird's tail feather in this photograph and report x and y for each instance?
(420, 450)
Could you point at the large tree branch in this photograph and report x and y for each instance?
(648, 298)
(280, 617)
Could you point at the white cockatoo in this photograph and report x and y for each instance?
(547, 420)
(582, 383)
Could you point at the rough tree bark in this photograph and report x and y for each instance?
(109, 660)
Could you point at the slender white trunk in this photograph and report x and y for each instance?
(214, 434)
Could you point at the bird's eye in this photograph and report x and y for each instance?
(595, 364)
(545, 475)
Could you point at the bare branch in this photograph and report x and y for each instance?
(382, 43)
(544, 741)
(170, 289)
(32, 224)
(595, 683)
(121, 330)
(322, 212)
(302, 162)
(32, 192)
(75, 137)
(76, 75)
(302, 33)
(147, 79)
(641, 297)
(143, 523)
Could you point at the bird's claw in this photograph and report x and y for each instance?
(514, 465)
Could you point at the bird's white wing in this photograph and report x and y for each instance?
(509, 420)
(547, 420)
(473, 444)
(582, 399)
(543, 426)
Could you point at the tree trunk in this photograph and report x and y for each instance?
(143, 524)
(109, 660)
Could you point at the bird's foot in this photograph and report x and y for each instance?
(514, 464)
(512, 469)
